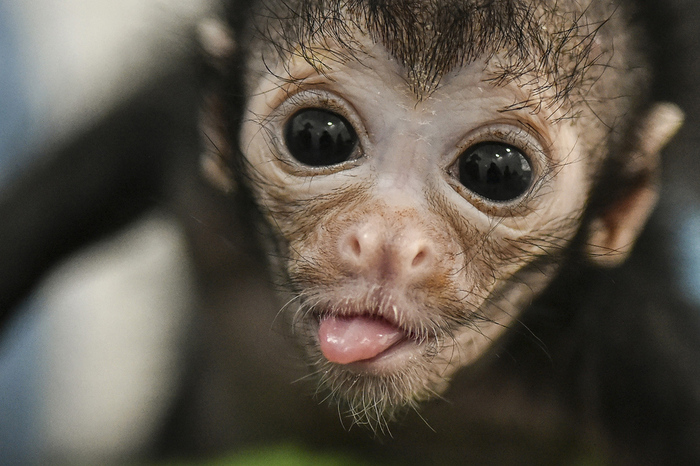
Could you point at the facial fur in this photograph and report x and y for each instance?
(391, 234)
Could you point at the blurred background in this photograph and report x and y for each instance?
(89, 360)
(88, 366)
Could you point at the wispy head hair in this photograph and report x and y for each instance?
(557, 40)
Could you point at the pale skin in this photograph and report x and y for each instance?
(392, 235)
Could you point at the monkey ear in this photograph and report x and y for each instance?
(216, 40)
(612, 234)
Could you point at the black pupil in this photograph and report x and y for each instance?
(496, 171)
(319, 137)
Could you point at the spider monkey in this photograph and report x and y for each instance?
(422, 222)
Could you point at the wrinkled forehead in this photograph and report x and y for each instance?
(560, 42)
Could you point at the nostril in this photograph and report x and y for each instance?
(419, 258)
(360, 247)
(355, 246)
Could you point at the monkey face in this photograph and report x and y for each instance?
(410, 224)
(410, 233)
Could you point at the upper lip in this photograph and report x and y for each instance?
(380, 303)
(390, 313)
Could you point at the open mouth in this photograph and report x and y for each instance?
(361, 338)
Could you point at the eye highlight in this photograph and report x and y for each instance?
(319, 137)
(495, 171)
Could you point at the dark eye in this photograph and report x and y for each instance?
(319, 137)
(496, 171)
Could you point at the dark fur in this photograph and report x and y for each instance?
(603, 367)
(575, 359)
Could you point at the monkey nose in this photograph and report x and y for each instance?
(392, 252)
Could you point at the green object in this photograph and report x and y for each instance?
(280, 455)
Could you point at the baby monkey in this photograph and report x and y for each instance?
(423, 172)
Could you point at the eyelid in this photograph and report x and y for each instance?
(291, 86)
(316, 98)
(516, 134)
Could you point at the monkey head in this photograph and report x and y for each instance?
(422, 169)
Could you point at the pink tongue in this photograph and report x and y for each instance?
(350, 339)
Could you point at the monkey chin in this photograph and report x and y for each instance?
(418, 338)
(409, 362)
(374, 392)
